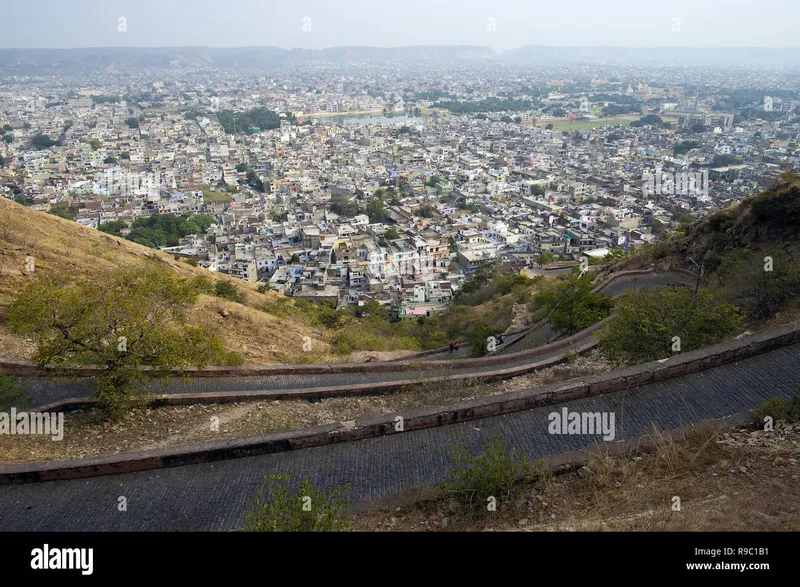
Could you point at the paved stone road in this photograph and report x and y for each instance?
(545, 334)
(211, 496)
(47, 390)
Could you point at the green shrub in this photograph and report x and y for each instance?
(478, 336)
(278, 306)
(574, 306)
(571, 354)
(203, 285)
(234, 359)
(720, 222)
(741, 279)
(496, 472)
(648, 319)
(277, 509)
(12, 395)
(226, 290)
(328, 317)
(781, 208)
(128, 318)
(779, 409)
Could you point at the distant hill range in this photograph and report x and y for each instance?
(655, 55)
(129, 59)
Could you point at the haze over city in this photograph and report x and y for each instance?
(237, 23)
(529, 267)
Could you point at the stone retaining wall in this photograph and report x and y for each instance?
(555, 393)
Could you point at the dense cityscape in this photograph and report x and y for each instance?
(434, 267)
(343, 182)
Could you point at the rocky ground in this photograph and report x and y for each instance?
(745, 480)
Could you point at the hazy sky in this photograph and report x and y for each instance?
(384, 23)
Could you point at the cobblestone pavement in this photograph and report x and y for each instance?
(211, 496)
(47, 390)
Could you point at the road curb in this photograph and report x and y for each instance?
(556, 393)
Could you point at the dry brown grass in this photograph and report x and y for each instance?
(64, 248)
(723, 485)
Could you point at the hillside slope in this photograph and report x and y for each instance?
(749, 253)
(63, 248)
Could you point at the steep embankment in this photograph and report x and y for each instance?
(63, 248)
(749, 254)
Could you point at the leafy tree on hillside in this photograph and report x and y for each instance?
(62, 213)
(761, 282)
(574, 306)
(126, 319)
(478, 337)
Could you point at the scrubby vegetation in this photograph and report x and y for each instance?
(779, 408)
(130, 318)
(278, 509)
(12, 395)
(492, 478)
(655, 323)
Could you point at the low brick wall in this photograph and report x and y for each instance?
(555, 393)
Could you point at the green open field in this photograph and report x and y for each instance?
(213, 196)
(568, 125)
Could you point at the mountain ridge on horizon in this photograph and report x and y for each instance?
(122, 59)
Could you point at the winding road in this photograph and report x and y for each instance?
(211, 496)
(47, 390)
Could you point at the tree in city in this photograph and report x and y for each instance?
(426, 211)
(126, 319)
(40, 141)
(546, 258)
